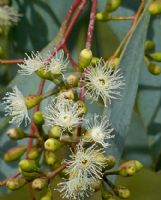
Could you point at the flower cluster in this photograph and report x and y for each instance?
(64, 117)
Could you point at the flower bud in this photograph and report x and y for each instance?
(38, 118)
(94, 60)
(122, 192)
(112, 5)
(110, 162)
(154, 69)
(52, 144)
(34, 153)
(50, 157)
(82, 109)
(114, 62)
(44, 74)
(67, 94)
(30, 175)
(32, 101)
(55, 132)
(16, 183)
(149, 45)
(155, 8)
(102, 16)
(28, 165)
(16, 133)
(14, 153)
(39, 183)
(106, 195)
(129, 168)
(72, 80)
(85, 58)
(47, 196)
(155, 56)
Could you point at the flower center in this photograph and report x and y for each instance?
(102, 81)
(96, 134)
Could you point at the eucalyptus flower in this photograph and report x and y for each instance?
(58, 64)
(31, 64)
(8, 16)
(102, 81)
(98, 130)
(16, 107)
(64, 113)
(86, 162)
(76, 189)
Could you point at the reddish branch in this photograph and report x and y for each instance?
(18, 61)
(7, 179)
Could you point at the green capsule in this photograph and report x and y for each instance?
(34, 153)
(149, 45)
(112, 5)
(52, 144)
(110, 162)
(30, 175)
(39, 183)
(154, 69)
(50, 157)
(28, 165)
(44, 74)
(155, 56)
(102, 16)
(32, 101)
(85, 58)
(72, 80)
(55, 132)
(16, 183)
(138, 165)
(16, 133)
(38, 118)
(95, 61)
(155, 8)
(14, 153)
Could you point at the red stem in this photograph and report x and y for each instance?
(70, 58)
(55, 172)
(18, 61)
(91, 24)
(7, 179)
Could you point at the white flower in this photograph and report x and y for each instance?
(16, 107)
(86, 163)
(102, 81)
(98, 130)
(31, 64)
(58, 64)
(8, 16)
(76, 189)
(64, 113)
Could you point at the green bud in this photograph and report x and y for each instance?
(110, 162)
(82, 109)
(155, 8)
(50, 157)
(138, 165)
(34, 153)
(155, 56)
(154, 69)
(102, 16)
(39, 183)
(105, 194)
(68, 94)
(149, 45)
(114, 62)
(32, 101)
(55, 132)
(28, 165)
(16, 183)
(72, 80)
(47, 196)
(85, 58)
(16, 133)
(122, 192)
(30, 175)
(14, 153)
(38, 118)
(95, 60)
(129, 168)
(44, 74)
(112, 5)
(52, 144)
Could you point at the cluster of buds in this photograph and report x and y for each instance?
(152, 58)
(63, 125)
